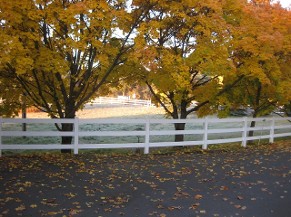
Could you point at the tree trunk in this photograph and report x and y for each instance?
(67, 140)
(253, 124)
(23, 111)
(68, 127)
(251, 132)
(179, 137)
(256, 109)
(181, 126)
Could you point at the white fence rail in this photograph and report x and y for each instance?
(122, 101)
(137, 133)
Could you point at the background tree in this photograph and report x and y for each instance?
(260, 50)
(285, 60)
(183, 47)
(63, 53)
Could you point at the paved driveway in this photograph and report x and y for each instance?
(245, 182)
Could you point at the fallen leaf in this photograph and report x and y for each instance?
(52, 200)
(264, 189)
(52, 213)
(194, 206)
(224, 188)
(33, 205)
(237, 206)
(20, 208)
(74, 212)
(174, 207)
(198, 196)
(70, 195)
(240, 198)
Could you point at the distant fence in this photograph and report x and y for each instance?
(122, 101)
(144, 133)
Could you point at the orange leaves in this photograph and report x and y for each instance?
(59, 49)
(259, 53)
(179, 45)
(190, 48)
(224, 188)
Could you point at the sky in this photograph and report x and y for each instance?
(285, 3)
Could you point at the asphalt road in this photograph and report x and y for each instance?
(245, 182)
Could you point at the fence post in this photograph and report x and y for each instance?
(149, 103)
(245, 132)
(0, 136)
(147, 137)
(272, 130)
(205, 136)
(76, 135)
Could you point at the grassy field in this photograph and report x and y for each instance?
(99, 111)
(90, 111)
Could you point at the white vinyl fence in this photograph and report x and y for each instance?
(137, 133)
(122, 101)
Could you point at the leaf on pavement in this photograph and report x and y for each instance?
(198, 196)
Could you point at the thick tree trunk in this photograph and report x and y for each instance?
(256, 109)
(251, 132)
(253, 124)
(67, 140)
(68, 127)
(181, 126)
(179, 137)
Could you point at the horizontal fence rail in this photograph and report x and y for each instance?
(122, 101)
(42, 134)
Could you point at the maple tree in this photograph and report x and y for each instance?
(261, 50)
(183, 48)
(197, 52)
(63, 53)
(285, 62)
(189, 53)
